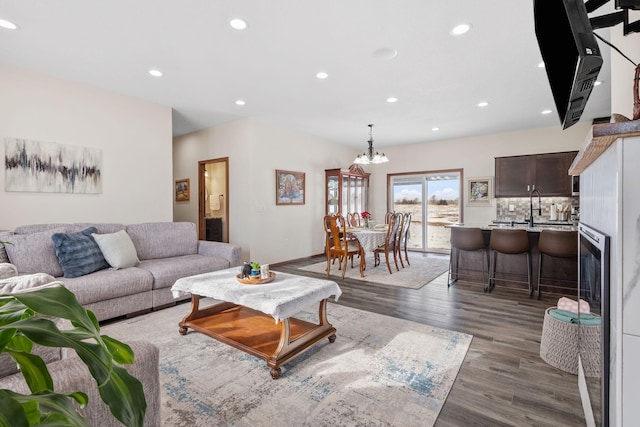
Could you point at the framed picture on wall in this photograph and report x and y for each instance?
(289, 188)
(182, 190)
(480, 191)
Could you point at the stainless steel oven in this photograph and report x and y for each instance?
(593, 253)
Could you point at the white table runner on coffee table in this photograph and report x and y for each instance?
(287, 295)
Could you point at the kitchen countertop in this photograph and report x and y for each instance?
(537, 227)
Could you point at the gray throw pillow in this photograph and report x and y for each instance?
(78, 253)
(34, 253)
(117, 248)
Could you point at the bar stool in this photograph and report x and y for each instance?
(509, 242)
(468, 239)
(558, 244)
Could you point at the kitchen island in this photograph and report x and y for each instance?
(556, 273)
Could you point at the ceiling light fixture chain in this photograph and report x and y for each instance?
(368, 157)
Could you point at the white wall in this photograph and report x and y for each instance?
(134, 136)
(270, 233)
(267, 232)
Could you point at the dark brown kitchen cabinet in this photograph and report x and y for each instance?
(516, 176)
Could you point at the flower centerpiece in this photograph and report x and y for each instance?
(366, 216)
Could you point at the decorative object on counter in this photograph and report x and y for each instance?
(366, 216)
(553, 214)
(480, 191)
(368, 157)
(290, 188)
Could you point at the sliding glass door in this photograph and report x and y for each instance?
(433, 199)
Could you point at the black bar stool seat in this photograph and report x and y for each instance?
(557, 244)
(509, 242)
(466, 239)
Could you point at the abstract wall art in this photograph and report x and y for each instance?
(49, 167)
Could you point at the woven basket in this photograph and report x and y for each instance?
(559, 345)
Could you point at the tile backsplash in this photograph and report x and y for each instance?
(517, 208)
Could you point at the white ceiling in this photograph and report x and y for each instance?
(271, 65)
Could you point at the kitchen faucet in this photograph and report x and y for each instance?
(535, 190)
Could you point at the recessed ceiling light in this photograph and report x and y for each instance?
(483, 104)
(155, 73)
(541, 65)
(435, 129)
(385, 53)
(240, 102)
(391, 100)
(7, 24)
(322, 75)
(460, 29)
(546, 112)
(238, 24)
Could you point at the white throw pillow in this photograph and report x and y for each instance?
(27, 283)
(118, 249)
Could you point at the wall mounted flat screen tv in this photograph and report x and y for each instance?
(570, 53)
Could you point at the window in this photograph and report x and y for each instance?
(433, 199)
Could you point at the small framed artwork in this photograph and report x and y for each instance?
(289, 188)
(182, 190)
(480, 191)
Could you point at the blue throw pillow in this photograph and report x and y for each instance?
(78, 253)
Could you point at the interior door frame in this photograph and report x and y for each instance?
(202, 197)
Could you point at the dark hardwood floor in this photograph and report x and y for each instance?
(503, 381)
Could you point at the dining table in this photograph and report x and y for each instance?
(369, 238)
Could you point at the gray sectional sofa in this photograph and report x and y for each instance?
(166, 251)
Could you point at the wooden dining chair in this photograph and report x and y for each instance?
(390, 243)
(403, 231)
(338, 246)
(388, 216)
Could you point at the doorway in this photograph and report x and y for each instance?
(213, 200)
(433, 199)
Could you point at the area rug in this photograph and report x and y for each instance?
(380, 371)
(421, 271)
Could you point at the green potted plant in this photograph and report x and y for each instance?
(20, 328)
(255, 269)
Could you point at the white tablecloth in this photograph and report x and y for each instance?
(287, 295)
(369, 239)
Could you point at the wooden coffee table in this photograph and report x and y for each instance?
(258, 319)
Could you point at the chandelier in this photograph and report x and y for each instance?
(368, 157)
